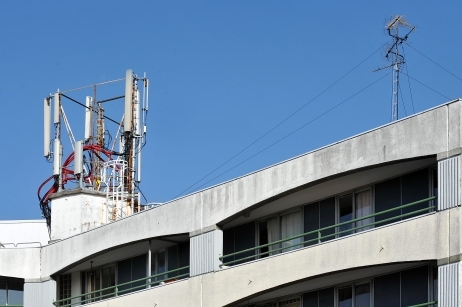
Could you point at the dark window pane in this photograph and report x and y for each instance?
(345, 213)
(311, 222)
(244, 238)
(139, 271)
(327, 218)
(387, 196)
(172, 263)
(97, 274)
(228, 243)
(2, 292)
(414, 286)
(263, 238)
(435, 283)
(184, 257)
(310, 299)
(108, 280)
(363, 295)
(326, 297)
(82, 283)
(161, 265)
(124, 274)
(345, 297)
(415, 187)
(387, 290)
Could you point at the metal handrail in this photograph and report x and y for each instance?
(318, 231)
(11, 305)
(116, 291)
(425, 304)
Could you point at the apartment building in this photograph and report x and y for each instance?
(372, 220)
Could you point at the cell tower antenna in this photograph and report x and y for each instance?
(396, 58)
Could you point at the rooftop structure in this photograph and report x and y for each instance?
(373, 220)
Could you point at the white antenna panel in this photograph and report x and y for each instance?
(78, 157)
(46, 127)
(128, 100)
(56, 108)
(137, 118)
(89, 107)
(57, 157)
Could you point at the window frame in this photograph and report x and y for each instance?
(353, 193)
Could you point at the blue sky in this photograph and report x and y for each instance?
(222, 74)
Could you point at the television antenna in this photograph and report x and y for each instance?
(396, 58)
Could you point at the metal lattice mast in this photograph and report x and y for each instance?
(396, 58)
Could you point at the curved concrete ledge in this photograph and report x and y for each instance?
(406, 139)
(436, 237)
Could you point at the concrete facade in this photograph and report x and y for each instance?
(417, 141)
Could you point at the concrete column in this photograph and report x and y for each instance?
(39, 293)
(448, 183)
(448, 285)
(206, 246)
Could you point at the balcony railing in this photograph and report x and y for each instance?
(116, 290)
(432, 304)
(319, 235)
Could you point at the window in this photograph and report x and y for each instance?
(281, 227)
(401, 191)
(11, 291)
(158, 265)
(65, 282)
(171, 258)
(435, 283)
(239, 238)
(325, 214)
(98, 279)
(354, 206)
(316, 216)
(345, 214)
(406, 288)
(321, 298)
(294, 302)
(356, 295)
(129, 270)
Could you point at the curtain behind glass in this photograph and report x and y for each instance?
(364, 208)
(291, 225)
(274, 234)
